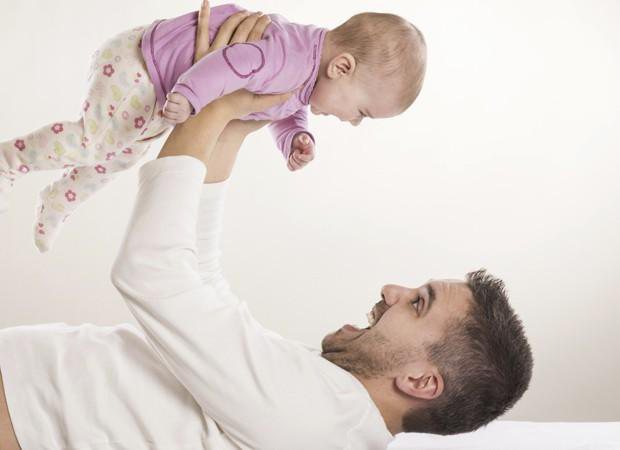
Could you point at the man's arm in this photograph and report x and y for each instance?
(242, 375)
(210, 212)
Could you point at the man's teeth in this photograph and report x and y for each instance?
(371, 318)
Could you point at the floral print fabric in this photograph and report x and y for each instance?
(119, 119)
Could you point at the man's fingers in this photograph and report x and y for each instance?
(226, 30)
(243, 30)
(201, 48)
(259, 28)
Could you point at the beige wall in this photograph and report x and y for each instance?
(509, 160)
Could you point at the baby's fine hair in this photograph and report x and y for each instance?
(392, 48)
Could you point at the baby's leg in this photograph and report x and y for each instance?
(53, 146)
(119, 105)
(119, 114)
(78, 184)
(120, 101)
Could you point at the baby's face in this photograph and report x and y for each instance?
(351, 100)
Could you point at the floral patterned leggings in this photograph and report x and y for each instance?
(119, 119)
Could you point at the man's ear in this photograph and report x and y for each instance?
(424, 383)
(343, 65)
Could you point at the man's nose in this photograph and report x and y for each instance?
(391, 293)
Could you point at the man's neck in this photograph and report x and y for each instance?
(391, 409)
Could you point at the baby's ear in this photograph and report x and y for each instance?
(342, 65)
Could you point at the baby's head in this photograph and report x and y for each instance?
(371, 66)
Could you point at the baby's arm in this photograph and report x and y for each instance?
(238, 66)
(293, 139)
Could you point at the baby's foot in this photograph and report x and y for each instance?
(50, 215)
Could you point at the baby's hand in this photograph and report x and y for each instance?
(302, 151)
(177, 108)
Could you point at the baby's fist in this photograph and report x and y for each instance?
(177, 108)
(302, 151)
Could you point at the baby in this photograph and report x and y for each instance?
(143, 81)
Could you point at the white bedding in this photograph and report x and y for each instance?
(507, 435)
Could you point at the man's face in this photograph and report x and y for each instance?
(402, 324)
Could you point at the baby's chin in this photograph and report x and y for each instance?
(317, 111)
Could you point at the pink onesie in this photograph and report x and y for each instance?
(286, 59)
(122, 111)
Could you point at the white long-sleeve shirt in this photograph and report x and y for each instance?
(201, 373)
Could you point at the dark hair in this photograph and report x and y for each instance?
(485, 361)
(389, 46)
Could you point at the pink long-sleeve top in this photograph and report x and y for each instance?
(286, 59)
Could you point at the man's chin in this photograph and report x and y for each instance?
(338, 340)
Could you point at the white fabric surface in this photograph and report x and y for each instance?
(509, 435)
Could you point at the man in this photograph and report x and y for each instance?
(200, 372)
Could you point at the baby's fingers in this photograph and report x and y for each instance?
(171, 108)
(304, 157)
(174, 117)
(175, 98)
(298, 160)
(292, 164)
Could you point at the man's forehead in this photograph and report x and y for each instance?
(448, 287)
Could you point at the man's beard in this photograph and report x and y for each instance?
(370, 355)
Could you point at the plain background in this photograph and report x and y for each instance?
(508, 160)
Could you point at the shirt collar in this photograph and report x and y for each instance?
(308, 86)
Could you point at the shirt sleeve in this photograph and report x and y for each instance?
(284, 130)
(248, 65)
(208, 230)
(248, 379)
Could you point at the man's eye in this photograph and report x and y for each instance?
(417, 303)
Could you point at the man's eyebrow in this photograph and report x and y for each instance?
(431, 296)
